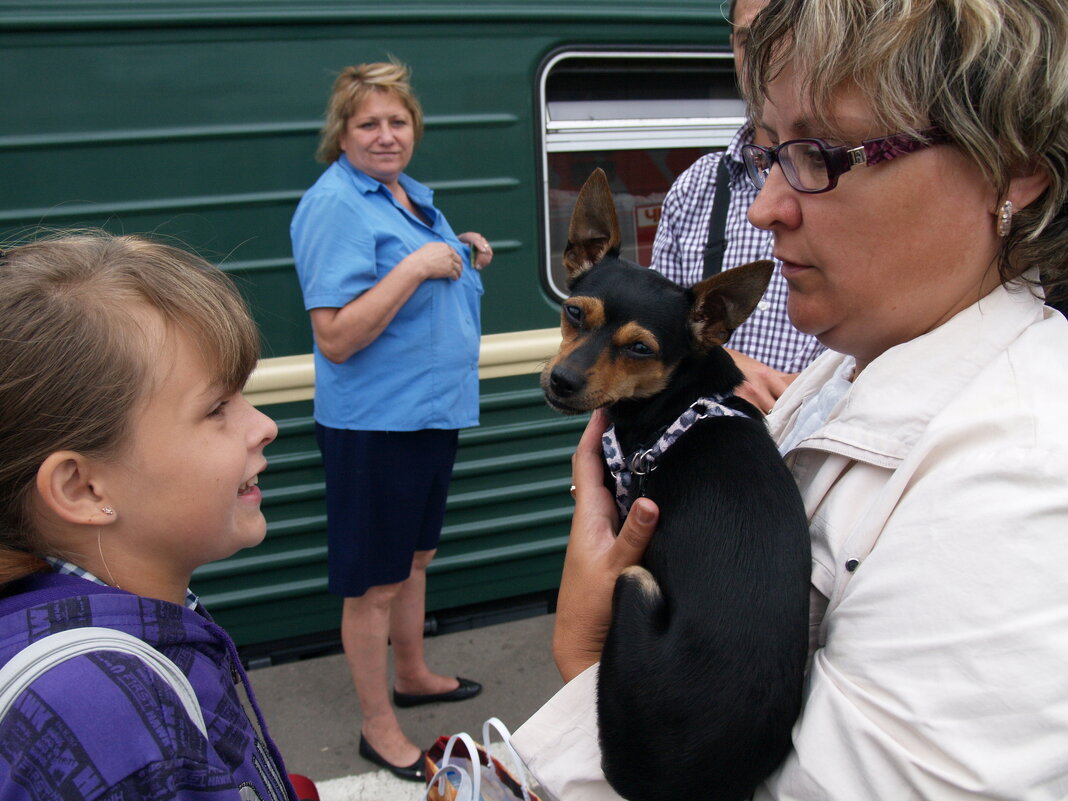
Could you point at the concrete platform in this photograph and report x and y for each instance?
(311, 708)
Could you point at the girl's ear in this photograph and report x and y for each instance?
(66, 487)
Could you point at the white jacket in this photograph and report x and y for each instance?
(937, 495)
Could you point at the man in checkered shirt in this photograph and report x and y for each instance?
(767, 348)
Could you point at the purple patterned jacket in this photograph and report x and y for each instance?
(104, 726)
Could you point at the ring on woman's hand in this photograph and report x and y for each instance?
(572, 490)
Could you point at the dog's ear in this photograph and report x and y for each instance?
(594, 229)
(724, 301)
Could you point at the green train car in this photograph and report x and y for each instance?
(198, 120)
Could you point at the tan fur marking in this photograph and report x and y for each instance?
(571, 341)
(592, 317)
(645, 581)
(613, 379)
(629, 333)
(592, 311)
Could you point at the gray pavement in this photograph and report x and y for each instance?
(311, 708)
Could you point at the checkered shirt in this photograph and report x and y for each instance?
(69, 568)
(679, 254)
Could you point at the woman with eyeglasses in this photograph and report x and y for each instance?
(916, 191)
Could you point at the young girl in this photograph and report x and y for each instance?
(128, 457)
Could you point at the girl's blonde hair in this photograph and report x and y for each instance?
(993, 74)
(351, 88)
(74, 359)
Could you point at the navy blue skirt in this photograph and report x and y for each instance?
(385, 500)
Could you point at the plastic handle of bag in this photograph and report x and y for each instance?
(506, 738)
(41, 656)
(460, 779)
(476, 764)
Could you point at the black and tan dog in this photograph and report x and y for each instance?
(701, 675)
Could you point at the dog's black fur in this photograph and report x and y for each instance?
(701, 676)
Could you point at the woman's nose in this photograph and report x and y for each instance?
(776, 204)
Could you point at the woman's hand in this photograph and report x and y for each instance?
(763, 385)
(482, 248)
(339, 333)
(434, 260)
(595, 557)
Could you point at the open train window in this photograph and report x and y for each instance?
(643, 118)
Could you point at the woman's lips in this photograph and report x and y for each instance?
(791, 268)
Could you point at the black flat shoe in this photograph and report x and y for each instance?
(467, 689)
(416, 772)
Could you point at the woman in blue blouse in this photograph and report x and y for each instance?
(394, 305)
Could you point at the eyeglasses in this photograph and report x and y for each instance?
(812, 166)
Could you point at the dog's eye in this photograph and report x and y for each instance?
(640, 349)
(573, 314)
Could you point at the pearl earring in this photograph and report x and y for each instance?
(1005, 218)
(107, 510)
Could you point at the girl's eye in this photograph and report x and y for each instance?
(217, 411)
(573, 314)
(639, 349)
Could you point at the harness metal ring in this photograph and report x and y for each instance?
(638, 461)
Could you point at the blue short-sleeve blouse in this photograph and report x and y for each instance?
(422, 370)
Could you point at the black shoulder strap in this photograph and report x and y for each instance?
(717, 221)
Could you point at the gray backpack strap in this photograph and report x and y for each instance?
(41, 656)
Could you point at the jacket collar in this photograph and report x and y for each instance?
(63, 567)
(894, 399)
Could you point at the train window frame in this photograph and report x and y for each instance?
(650, 124)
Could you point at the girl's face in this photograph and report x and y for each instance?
(893, 251)
(380, 137)
(184, 488)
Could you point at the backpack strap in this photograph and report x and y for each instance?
(39, 657)
(716, 245)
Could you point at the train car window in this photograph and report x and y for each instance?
(643, 118)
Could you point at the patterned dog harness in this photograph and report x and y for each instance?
(630, 472)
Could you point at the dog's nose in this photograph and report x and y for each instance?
(564, 383)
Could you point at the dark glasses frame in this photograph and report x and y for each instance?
(838, 159)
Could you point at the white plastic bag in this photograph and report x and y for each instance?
(490, 781)
(450, 778)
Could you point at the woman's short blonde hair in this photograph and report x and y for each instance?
(351, 88)
(74, 356)
(993, 74)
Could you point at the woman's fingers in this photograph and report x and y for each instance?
(439, 260)
(587, 463)
(637, 531)
(595, 557)
(483, 254)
